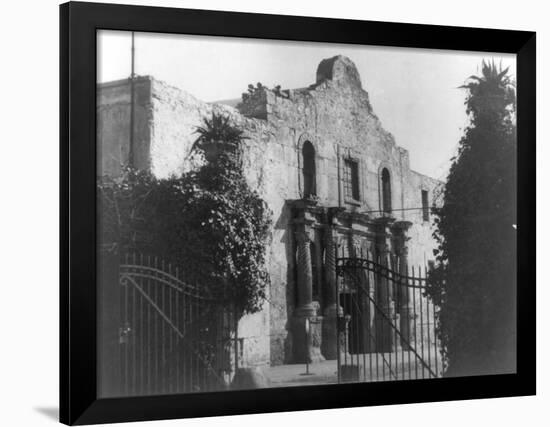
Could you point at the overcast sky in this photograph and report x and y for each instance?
(414, 92)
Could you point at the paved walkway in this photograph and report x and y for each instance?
(293, 375)
(364, 368)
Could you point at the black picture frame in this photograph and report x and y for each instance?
(79, 22)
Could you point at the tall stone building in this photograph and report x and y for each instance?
(334, 179)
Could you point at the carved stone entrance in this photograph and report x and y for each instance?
(321, 234)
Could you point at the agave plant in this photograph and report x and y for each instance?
(218, 129)
(217, 134)
(491, 93)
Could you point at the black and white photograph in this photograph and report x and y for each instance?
(279, 214)
(242, 213)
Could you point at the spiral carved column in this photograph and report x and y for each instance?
(386, 319)
(307, 326)
(305, 275)
(406, 310)
(329, 346)
(330, 272)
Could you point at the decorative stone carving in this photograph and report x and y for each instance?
(407, 318)
(305, 276)
(307, 325)
(330, 268)
(307, 333)
(385, 340)
(332, 307)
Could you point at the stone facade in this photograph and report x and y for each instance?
(319, 156)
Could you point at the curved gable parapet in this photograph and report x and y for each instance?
(338, 68)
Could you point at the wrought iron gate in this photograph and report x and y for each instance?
(387, 325)
(173, 337)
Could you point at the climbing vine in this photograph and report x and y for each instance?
(475, 278)
(208, 219)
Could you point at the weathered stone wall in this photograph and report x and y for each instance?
(337, 118)
(422, 242)
(113, 125)
(334, 114)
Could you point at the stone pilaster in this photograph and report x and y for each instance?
(332, 310)
(331, 291)
(384, 292)
(307, 326)
(305, 305)
(406, 310)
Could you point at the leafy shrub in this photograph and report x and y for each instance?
(209, 220)
(474, 281)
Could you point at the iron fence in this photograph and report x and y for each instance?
(173, 336)
(387, 323)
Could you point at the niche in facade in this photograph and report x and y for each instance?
(386, 191)
(308, 170)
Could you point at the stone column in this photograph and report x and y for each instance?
(305, 275)
(330, 272)
(332, 310)
(307, 344)
(406, 310)
(384, 298)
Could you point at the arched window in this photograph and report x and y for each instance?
(386, 191)
(308, 157)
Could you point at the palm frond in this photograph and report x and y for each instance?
(217, 128)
